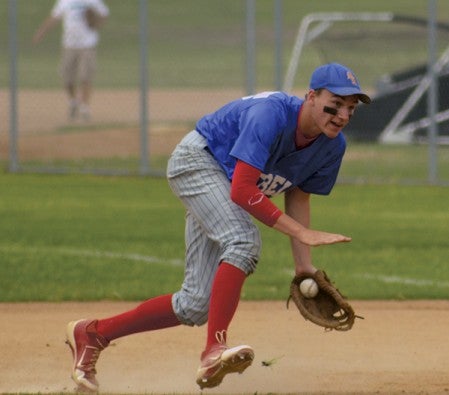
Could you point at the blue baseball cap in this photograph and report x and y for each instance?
(338, 79)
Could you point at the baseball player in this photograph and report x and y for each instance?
(225, 172)
(79, 43)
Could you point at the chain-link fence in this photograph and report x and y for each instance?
(199, 55)
(195, 58)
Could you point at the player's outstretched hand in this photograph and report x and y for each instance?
(315, 237)
(289, 226)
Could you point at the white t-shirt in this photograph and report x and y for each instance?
(75, 31)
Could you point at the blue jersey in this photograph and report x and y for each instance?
(260, 130)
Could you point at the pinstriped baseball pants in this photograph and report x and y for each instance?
(216, 228)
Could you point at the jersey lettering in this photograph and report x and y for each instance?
(272, 185)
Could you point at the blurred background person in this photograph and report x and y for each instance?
(80, 22)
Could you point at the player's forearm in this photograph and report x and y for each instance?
(48, 24)
(296, 221)
(310, 237)
(297, 205)
(101, 20)
(289, 226)
(302, 257)
(247, 195)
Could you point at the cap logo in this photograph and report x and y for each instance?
(351, 78)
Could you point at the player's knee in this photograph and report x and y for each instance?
(190, 310)
(243, 252)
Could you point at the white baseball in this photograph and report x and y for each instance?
(309, 288)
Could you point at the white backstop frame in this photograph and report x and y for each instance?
(393, 131)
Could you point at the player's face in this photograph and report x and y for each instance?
(332, 112)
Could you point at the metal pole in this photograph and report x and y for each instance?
(278, 24)
(250, 46)
(143, 33)
(12, 42)
(432, 94)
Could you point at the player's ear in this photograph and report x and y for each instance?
(312, 96)
(309, 94)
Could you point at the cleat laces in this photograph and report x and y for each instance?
(220, 336)
(89, 365)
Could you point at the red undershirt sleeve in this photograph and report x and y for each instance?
(246, 194)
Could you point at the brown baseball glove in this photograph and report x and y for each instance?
(329, 308)
(92, 18)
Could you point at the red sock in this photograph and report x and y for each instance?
(225, 297)
(156, 313)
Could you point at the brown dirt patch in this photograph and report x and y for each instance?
(46, 133)
(400, 348)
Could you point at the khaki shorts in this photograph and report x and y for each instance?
(78, 65)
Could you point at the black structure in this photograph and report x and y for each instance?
(369, 121)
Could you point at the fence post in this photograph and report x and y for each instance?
(432, 93)
(12, 43)
(143, 38)
(250, 46)
(278, 30)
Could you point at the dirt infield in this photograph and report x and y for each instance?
(400, 348)
(46, 133)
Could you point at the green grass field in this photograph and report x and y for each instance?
(77, 237)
